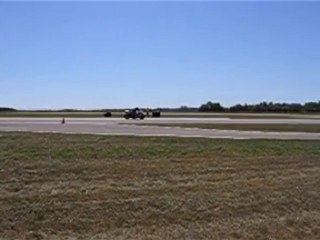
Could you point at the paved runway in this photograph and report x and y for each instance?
(119, 126)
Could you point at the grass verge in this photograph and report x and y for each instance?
(246, 127)
(57, 186)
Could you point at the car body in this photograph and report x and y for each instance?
(135, 113)
(107, 114)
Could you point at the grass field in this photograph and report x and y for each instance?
(246, 127)
(57, 186)
(164, 114)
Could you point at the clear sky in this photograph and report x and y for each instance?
(149, 54)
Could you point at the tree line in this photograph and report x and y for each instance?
(311, 107)
(7, 109)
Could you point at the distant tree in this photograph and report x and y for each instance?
(184, 108)
(312, 106)
(6, 109)
(295, 107)
(277, 107)
(211, 107)
(239, 108)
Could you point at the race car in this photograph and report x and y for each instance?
(135, 113)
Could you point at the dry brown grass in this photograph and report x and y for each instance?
(90, 187)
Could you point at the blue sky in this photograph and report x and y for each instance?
(149, 54)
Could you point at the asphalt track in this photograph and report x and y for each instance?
(119, 126)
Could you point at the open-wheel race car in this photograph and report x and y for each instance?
(135, 113)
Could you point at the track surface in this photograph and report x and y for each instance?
(119, 126)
